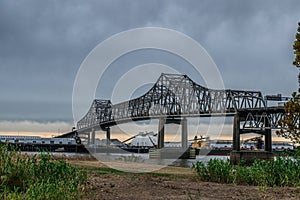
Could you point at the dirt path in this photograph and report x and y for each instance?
(170, 183)
(144, 186)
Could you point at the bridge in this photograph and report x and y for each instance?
(174, 98)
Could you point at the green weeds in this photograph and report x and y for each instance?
(38, 177)
(280, 172)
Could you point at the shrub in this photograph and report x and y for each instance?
(216, 170)
(38, 177)
(282, 171)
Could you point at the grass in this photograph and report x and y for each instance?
(46, 177)
(38, 177)
(281, 172)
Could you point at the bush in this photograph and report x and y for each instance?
(38, 177)
(216, 171)
(280, 172)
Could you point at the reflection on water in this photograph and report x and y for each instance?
(139, 158)
(204, 159)
(144, 158)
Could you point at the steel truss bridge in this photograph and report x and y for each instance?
(175, 97)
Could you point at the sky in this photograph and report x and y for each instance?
(43, 43)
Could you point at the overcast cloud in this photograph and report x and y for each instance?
(42, 44)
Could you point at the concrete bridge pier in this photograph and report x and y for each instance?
(88, 138)
(173, 152)
(161, 133)
(249, 156)
(268, 136)
(93, 136)
(184, 133)
(268, 140)
(236, 133)
(107, 136)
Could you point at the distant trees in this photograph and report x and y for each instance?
(292, 108)
(296, 48)
(291, 122)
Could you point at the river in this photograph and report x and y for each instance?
(138, 158)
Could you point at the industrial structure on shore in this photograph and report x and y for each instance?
(140, 143)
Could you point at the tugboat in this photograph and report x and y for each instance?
(201, 145)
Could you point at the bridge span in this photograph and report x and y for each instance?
(174, 98)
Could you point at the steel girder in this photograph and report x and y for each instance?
(258, 120)
(173, 95)
(100, 110)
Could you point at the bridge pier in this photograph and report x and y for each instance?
(236, 133)
(184, 133)
(108, 136)
(88, 138)
(161, 131)
(93, 137)
(268, 140)
(268, 136)
(249, 156)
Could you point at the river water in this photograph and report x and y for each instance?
(204, 159)
(139, 158)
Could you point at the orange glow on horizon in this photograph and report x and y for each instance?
(122, 137)
(41, 134)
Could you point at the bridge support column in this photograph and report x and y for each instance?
(93, 138)
(268, 140)
(161, 133)
(268, 136)
(249, 156)
(88, 138)
(236, 133)
(108, 136)
(184, 133)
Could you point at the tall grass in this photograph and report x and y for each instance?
(38, 177)
(280, 172)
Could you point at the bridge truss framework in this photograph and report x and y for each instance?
(174, 97)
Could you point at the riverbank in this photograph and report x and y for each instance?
(169, 183)
(46, 176)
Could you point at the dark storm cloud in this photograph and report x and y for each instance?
(42, 44)
(250, 41)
